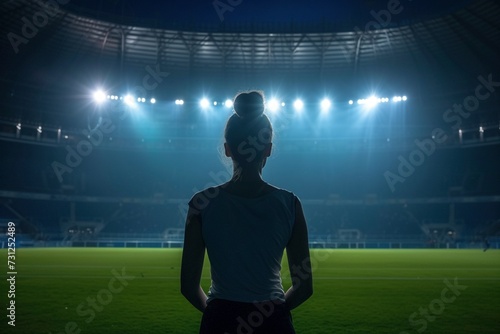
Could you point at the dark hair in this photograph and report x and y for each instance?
(248, 130)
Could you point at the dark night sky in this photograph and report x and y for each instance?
(200, 13)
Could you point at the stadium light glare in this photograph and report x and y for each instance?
(129, 100)
(153, 100)
(273, 105)
(405, 98)
(372, 101)
(39, 129)
(326, 104)
(298, 105)
(204, 103)
(283, 104)
(179, 102)
(351, 102)
(228, 103)
(99, 96)
(18, 126)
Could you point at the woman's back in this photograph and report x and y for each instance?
(245, 238)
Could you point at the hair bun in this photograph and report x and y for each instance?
(249, 105)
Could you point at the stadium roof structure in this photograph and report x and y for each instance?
(468, 38)
(436, 52)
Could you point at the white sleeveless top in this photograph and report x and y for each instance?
(245, 239)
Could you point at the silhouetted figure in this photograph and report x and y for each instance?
(486, 244)
(245, 225)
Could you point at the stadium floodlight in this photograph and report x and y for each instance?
(138, 99)
(153, 100)
(405, 98)
(273, 105)
(326, 104)
(129, 99)
(18, 126)
(143, 100)
(283, 104)
(228, 103)
(397, 99)
(99, 96)
(298, 105)
(204, 103)
(215, 103)
(179, 102)
(351, 102)
(372, 101)
(39, 129)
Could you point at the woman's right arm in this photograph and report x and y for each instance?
(299, 261)
(193, 255)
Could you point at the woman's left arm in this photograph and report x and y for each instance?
(193, 255)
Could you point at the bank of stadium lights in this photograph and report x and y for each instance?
(399, 98)
(273, 105)
(374, 100)
(99, 97)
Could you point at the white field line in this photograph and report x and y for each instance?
(322, 267)
(336, 278)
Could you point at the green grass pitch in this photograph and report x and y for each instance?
(108, 290)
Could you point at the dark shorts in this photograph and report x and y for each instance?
(228, 317)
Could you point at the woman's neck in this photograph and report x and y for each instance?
(246, 177)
